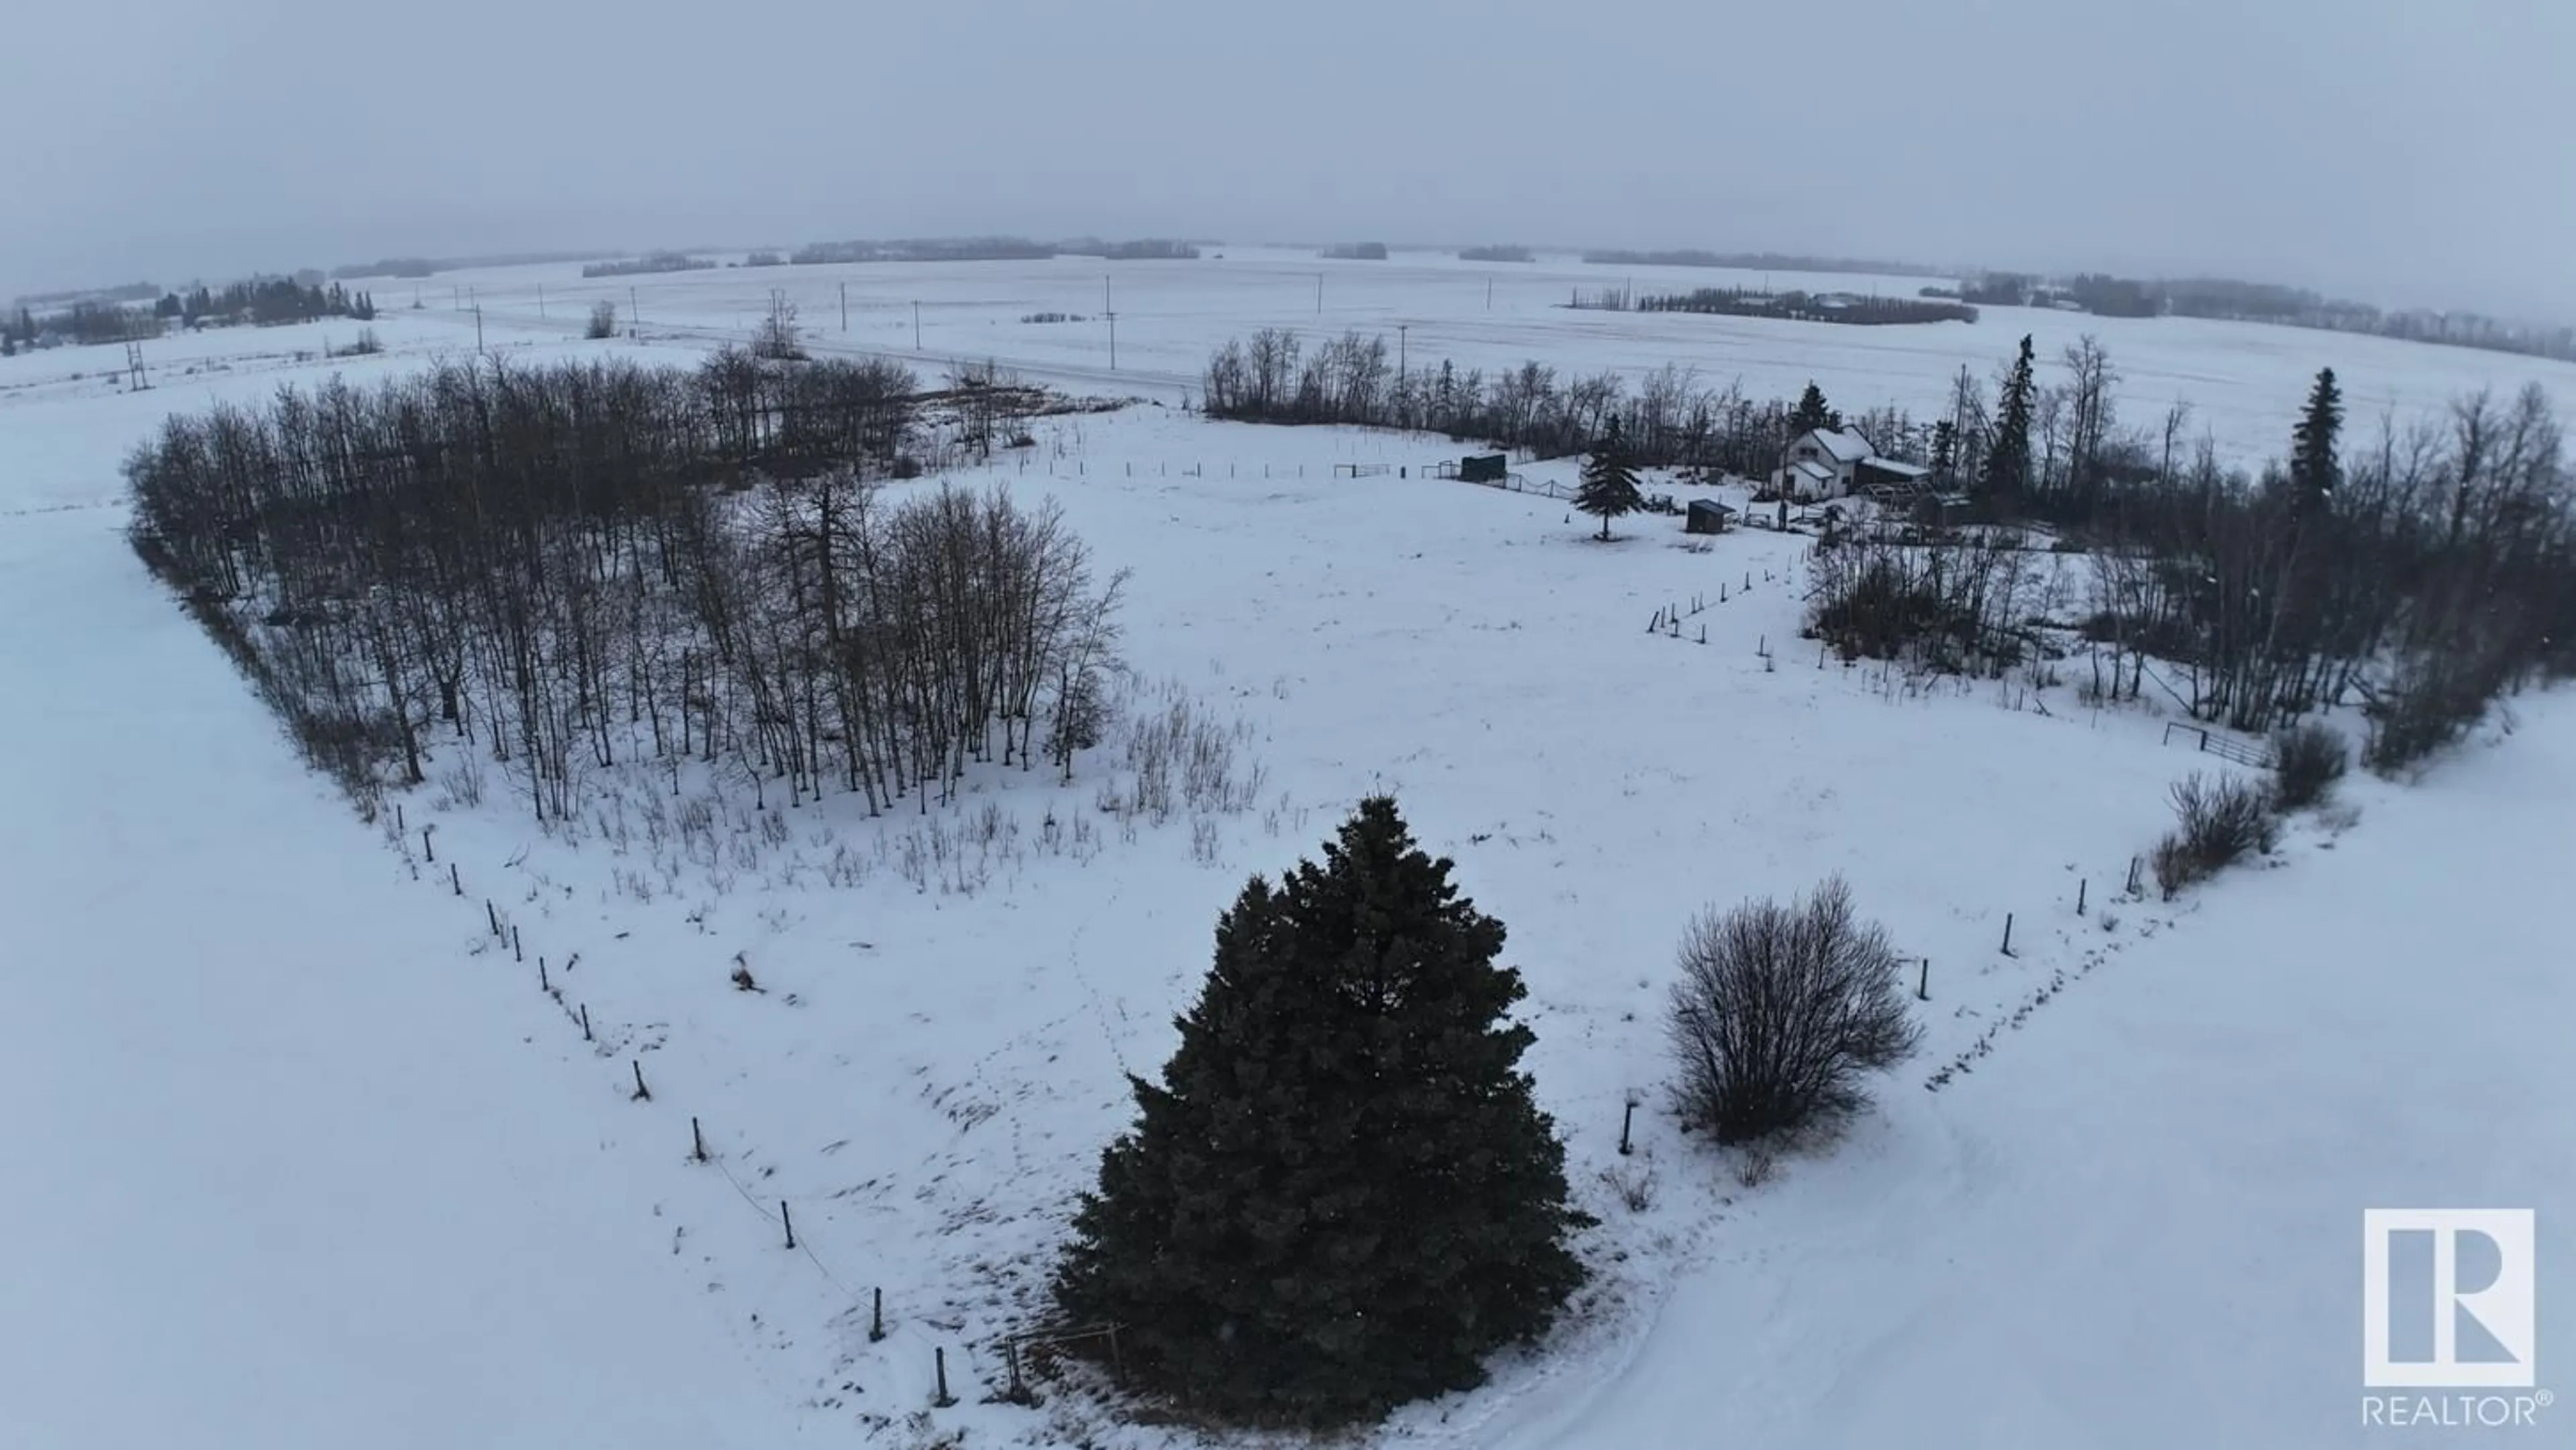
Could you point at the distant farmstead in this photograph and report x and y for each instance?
(1837, 462)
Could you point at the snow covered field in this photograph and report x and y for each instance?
(2243, 380)
(314, 1162)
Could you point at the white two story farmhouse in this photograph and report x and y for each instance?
(1834, 462)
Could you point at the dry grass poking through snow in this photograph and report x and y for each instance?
(1167, 754)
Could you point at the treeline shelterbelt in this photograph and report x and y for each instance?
(1805, 307)
(2230, 300)
(1669, 418)
(566, 570)
(648, 265)
(263, 301)
(266, 301)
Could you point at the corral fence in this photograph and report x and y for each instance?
(2256, 754)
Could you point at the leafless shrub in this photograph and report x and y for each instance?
(603, 321)
(2221, 823)
(1780, 1010)
(777, 339)
(1632, 1183)
(2307, 761)
(461, 784)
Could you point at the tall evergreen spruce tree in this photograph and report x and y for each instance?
(1813, 413)
(1609, 485)
(1342, 1196)
(2314, 467)
(2008, 457)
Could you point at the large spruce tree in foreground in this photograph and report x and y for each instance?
(1342, 1196)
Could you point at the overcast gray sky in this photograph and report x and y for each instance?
(2411, 152)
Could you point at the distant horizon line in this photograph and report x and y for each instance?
(1786, 260)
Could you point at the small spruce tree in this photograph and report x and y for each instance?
(1609, 487)
(1945, 449)
(1342, 1196)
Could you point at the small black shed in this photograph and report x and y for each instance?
(1706, 516)
(1483, 468)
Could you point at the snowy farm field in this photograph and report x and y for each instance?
(2243, 380)
(425, 1098)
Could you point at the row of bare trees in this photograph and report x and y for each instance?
(1669, 418)
(583, 567)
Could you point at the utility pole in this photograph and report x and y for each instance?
(1319, 294)
(478, 327)
(1489, 294)
(634, 310)
(845, 307)
(1113, 340)
(916, 327)
(541, 302)
(1403, 374)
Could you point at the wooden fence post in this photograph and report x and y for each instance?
(697, 1142)
(789, 1221)
(1626, 1121)
(2080, 885)
(643, 1094)
(1923, 982)
(945, 1399)
(585, 1023)
(516, 954)
(455, 882)
(2008, 920)
(876, 1317)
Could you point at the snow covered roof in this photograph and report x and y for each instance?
(1845, 445)
(1811, 469)
(1901, 470)
(1712, 505)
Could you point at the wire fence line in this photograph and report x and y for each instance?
(502, 932)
